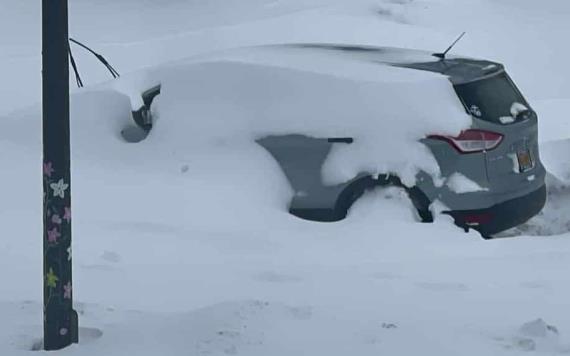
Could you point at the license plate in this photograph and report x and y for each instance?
(525, 161)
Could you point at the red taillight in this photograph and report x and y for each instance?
(477, 219)
(471, 141)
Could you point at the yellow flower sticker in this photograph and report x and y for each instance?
(51, 279)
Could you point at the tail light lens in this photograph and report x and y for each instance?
(472, 141)
(477, 219)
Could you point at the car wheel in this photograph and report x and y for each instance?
(421, 203)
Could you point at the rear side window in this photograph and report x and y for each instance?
(492, 99)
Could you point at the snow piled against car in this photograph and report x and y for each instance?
(386, 110)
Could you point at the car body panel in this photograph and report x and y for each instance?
(301, 159)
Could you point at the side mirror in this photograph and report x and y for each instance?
(142, 117)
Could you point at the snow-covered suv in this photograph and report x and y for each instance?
(494, 179)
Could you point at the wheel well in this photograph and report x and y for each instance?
(356, 189)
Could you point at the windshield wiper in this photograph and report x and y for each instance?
(100, 57)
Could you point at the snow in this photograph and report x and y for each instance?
(391, 111)
(515, 159)
(552, 126)
(537, 334)
(506, 120)
(181, 251)
(460, 184)
(517, 108)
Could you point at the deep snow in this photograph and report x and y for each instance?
(194, 253)
(238, 101)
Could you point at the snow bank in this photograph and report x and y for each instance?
(386, 110)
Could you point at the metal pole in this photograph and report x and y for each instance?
(60, 320)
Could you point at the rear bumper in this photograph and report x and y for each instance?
(502, 216)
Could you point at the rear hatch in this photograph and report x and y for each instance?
(498, 107)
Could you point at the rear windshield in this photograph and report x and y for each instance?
(492, 99)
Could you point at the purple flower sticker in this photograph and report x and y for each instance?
(56, 219)
(67, 214)
(63, 331)
(67, 291)
(48, 169)
(53, 235)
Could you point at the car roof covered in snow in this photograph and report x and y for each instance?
(365, 61)
(458, 69)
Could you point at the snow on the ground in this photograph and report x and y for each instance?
(195, 254)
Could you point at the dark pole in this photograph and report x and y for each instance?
(60, 320)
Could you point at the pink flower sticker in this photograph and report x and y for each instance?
(67, 291)
(56, 219)
(48, 169)
(67, 214)
(53, 235)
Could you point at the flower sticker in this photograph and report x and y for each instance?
(56, 219)
(53, 235)
(63, 331)
(48, 169)
(67, 291)
(51, 279)
(67, 214)
(59, 188)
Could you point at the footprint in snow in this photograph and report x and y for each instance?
(386, 276)
(535, 336)
(443, 287)
(273, 277)
(301, 313)
(111, 256)
(535, 285)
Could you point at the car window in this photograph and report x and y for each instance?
(494, 99)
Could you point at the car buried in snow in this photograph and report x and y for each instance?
(498, 153)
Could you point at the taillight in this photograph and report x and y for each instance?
(477, 219)
(472, 141)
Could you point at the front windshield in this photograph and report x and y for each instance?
(494, 99)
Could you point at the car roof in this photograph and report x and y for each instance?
(458, 69)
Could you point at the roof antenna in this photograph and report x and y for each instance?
(442, 55)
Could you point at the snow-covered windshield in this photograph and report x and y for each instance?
(491, 99)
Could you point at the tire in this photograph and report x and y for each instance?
(351, 194)
(357, 189)
(421, 203)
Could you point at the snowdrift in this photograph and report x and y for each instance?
(386, 110)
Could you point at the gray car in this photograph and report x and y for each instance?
(499, 152)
